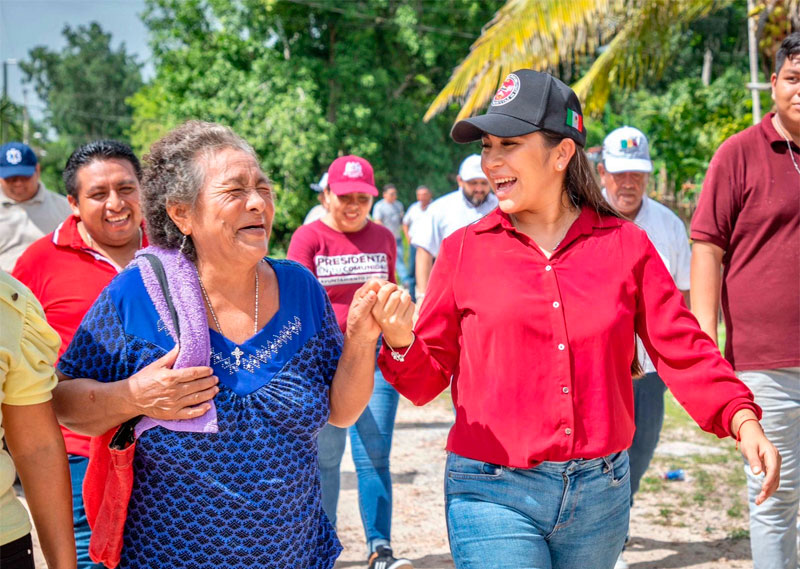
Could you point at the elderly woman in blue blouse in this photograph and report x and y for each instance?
(235, 483)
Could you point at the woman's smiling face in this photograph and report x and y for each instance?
(233, 214)
(523, 170)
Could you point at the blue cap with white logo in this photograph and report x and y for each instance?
(17, 159)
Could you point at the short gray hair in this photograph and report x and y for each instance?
(174, 174)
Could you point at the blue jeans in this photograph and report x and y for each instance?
(773, 524)
(412, 271)
(648, 406)
(371, 444)
(77, 471)
(558, 515)
(400, 265)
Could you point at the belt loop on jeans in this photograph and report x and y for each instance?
(608, 465)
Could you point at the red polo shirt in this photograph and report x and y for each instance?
(750, 207)
(66, 276)
(540, 350)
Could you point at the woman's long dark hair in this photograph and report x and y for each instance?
(584, 191)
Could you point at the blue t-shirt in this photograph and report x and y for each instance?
(249, 495)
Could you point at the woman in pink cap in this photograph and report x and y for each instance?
(344, 250)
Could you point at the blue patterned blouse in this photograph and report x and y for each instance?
(249, 495)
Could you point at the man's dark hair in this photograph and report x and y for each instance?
(790, 48)
(388, 187)
(95, 151)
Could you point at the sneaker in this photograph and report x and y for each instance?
(384, 559)
(620, 564)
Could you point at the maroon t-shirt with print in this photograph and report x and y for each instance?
(750, 207)
(342, 262)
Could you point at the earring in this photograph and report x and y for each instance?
(183, 245)
(560, 166)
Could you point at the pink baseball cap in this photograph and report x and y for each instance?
(351, 174)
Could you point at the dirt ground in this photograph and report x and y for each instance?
(699, 523)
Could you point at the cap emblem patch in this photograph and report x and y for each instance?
(507, 91)
(574, 120)
(353, 170)
(629, 143)
(13, 156)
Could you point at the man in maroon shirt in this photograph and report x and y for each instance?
(748, 223)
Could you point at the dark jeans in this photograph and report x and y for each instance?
(17, 554)
(412, 271)
(77, 471)
(648, 405)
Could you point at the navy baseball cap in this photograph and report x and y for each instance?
(527, 101)
(17, 159)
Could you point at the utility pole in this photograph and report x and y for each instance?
(26, 123)
(754, 85)
(5, 101)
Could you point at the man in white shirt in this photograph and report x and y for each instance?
(624, 173)
(471, 201)
(415, 211)
(28, 211)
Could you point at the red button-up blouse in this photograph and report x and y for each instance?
(540, 349)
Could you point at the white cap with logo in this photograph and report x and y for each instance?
(471, 168)
(626, 150)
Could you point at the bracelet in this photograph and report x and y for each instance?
(397, 356)
(738, 436)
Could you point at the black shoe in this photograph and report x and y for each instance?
(384, 559)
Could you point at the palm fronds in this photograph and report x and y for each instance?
(542, 34)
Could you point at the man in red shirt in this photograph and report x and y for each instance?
(748, 222)
(68, 268)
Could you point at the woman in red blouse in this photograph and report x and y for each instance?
(532, 312)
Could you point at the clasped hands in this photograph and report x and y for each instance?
(380, 306)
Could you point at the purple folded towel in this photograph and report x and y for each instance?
(194, 342)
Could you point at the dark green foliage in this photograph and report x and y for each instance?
(85, 85)
(307, 81)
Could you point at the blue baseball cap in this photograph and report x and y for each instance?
(17, 159)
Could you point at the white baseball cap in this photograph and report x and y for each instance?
(471, 168)
(626, 150)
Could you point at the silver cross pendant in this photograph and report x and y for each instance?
(237, 353)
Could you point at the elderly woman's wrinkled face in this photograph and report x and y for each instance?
(233, 215)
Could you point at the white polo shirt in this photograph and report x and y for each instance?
(446, 214)
(22, 223)
(668, 234)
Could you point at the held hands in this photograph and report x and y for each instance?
(762, 457)
(394, 312)
(361, 326)
(379, 306)
(160, 392)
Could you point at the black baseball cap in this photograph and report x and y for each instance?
(527, 101)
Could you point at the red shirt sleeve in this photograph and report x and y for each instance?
(715, 216)
(302, 247)
(685, 357)
(433, 358)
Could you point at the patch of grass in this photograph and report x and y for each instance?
(704, 486)
(674, 415)
(652, 484)
(736, 510)
(739, 533)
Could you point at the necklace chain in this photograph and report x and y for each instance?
(788, 145)
(211, 308)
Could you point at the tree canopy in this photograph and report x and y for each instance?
(306, 81)
(85, 85)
